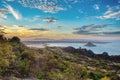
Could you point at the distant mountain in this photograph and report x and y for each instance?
(90, 44)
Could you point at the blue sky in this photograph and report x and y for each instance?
(48, 18)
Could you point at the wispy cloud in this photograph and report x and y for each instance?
(92, 29)
(80, 11)
(112, 33)
(89, 29)
(33, 19)
(119, 1)
(22, 31)
(15, 13)
(3, 16)
(59, 27)
(50, 6)
(111, 13)
(2, 30)
(40, 29)
(10, 0)
(50, 19)
(96, 7)
(3, 13)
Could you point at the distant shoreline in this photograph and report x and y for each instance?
(60, 41)
(65, 43)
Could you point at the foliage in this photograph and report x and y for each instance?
(40, 75)
(7, 57)
(95, 75)
(105, 78)
(15, 39)
(52, 64)
(24, 67)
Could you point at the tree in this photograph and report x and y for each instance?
(15, 39)
(2, 38)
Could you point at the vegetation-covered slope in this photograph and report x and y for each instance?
(54, 63)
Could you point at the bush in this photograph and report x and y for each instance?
(55, 75)
(7, 57)
(15, 39)
(24, 67)
(95, 75)
(105, 78)
(40, 75)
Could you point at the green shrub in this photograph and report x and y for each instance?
(40, 75)
(55, 75)
(95, 75)
(24, 67)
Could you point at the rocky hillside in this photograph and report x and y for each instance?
(54, 63)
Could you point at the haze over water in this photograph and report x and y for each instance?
(112, 47)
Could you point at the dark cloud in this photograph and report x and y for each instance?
(112, 33)
(88, 29)
(40, 29)
(92, 30)
(81, 32)
(20, 26)
(50, 19)
(59, 27)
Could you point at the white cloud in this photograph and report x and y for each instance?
(80, 11)
(89, 29)
(112, 15)
(112, 12)
(75, 1)
(3, 13)
(118, 18)
(3, 16)
(36, 18)
(50, 6)
(119, 1)
(15, 13)
(108, 12)
(96, 7)
(50, 19)
(10, 0)
(33, 19)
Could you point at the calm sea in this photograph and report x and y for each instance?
(113, 48)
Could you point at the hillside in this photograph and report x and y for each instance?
(54, 63)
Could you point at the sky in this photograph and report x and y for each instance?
(60, 18)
